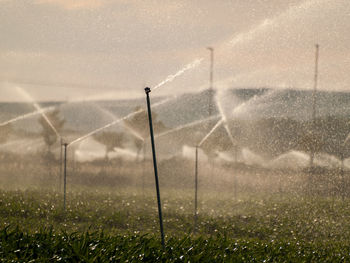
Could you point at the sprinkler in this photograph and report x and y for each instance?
(211, 91)
(61, 161)
(314, 102)
(147, 91)
(143, 166)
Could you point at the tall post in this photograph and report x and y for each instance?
(61, 163)
(65, 176)
(196, 190)
(314, 101)
(148, 90)
(143, 166)
(343, 188)
(211, 90)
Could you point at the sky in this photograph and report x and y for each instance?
(111, 49)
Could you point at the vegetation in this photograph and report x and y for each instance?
(45, 246)
(274, 136)
(139, 123)
(273, 216)
(49, 135)
(111, 140)
(108, 226)
(5, 131)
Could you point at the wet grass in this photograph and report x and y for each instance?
(45, 246)
(119, 226)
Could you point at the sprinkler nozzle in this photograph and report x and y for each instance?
(147, 90)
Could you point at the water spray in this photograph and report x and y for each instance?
(210, 132)
(65, 145)
(25, 116)
(189, 66)
(118, 120)
(188, 125)
(224, 119)
(39, 109)
(269, 22)
(147, 91)
(105, 127)
(113, 117)
(221, 121)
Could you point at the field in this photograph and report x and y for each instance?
(120, 223)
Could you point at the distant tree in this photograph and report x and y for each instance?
(5, 131)
(274, 136)
(218, 141)
(139, 122)
(49, 135)
(335, 132)
(328, 136)
(111, 140)
(312, 142)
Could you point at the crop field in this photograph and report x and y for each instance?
(174, 131)
(119, 225)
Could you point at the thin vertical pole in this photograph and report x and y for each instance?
(315, 84)
(314, 101)
(73, 159)
(148, 90)
(342, 177)
(143, 166)
(196, 190)
(211, 77)
(61, 163)
(65, 176)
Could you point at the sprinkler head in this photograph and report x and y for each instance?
(147, 90)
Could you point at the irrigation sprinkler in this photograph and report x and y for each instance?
(342, 175)
(196, 190)
(65, 176)
(210, 110)
(314, 101)
(147, 91)
(143, 166)
(61, 160)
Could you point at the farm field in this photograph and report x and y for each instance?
(174, 131)
(105, 225)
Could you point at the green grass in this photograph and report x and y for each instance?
(45, 246)
(119, 226)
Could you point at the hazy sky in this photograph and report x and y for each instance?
(86, 49)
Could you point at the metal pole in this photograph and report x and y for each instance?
(65, 176)
(148, 90)
(314, 100)
(61, 160)
(143, 166)
(342, 177)
(210, 110)
(196, 190)
(315, 84)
